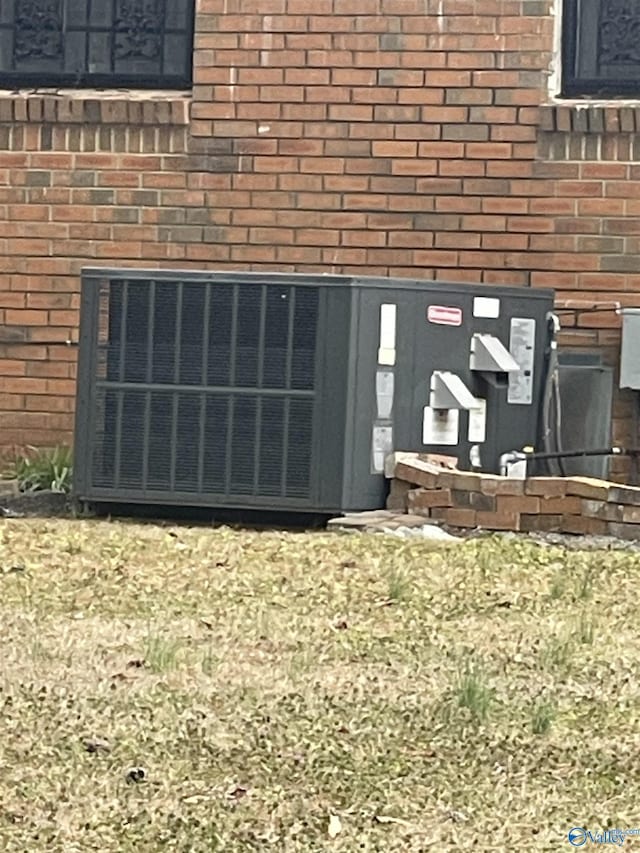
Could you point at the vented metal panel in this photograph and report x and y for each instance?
(205, 388)
(586, 394)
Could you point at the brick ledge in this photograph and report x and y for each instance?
(591, 117)
(95, 106)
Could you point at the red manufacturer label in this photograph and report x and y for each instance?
(444, 315)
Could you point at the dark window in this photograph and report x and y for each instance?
(601, 47)
(144, 43)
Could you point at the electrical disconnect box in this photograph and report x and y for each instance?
(251, 390)
(630, 352)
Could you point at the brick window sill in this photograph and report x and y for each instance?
(95, 106)
(591, 117)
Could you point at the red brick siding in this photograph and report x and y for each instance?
(400, 137)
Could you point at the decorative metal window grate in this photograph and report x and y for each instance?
(601, 47)
(143, 43)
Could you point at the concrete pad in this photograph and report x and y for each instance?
(360, 520)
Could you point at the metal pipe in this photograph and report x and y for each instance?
(551, 394)
(525, 455)
(570, 454)
(507, 458)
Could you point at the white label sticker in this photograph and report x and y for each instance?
(381, 447)
(444, 315)
(486, 306)
(522, 341)
(387, 346)
(384, 394)
(478, 422)
(440, 426)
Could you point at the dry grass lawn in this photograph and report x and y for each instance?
(174, 688)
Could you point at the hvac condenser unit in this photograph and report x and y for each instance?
(251, 390)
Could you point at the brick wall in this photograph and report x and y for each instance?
(401, 137)
(101, 180)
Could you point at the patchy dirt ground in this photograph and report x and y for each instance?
(195, 689)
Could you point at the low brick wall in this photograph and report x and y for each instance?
(460, 499)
